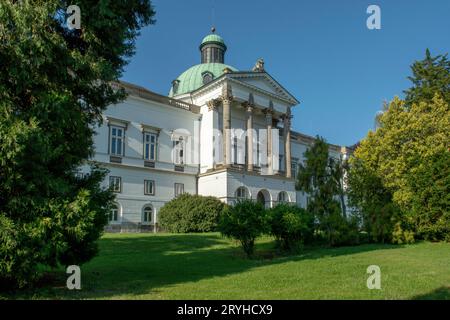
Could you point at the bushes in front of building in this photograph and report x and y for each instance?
(191, 213)
(244, 222)
(291, 226)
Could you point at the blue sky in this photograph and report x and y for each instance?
(320, 51)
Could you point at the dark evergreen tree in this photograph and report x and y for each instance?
(321, 178)
(430, 76)
(54, 85)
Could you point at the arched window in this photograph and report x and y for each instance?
(283, 197)
(147, 214)
(242, 193)
(114, 214)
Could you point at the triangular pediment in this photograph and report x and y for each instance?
(265, 82)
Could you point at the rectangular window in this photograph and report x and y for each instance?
(234, 150)
(294, 167)
(117, 140)
(179, 189)
(150, 144)
(258, 152)
(115, 183)
(149, 187)
(280, 163)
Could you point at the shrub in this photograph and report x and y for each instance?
(191, 213)
(244, 222)
(348, 231)
(402, 236)
(290, 225)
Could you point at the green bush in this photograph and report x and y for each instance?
(338, 230)
(348, 231)
(291, 226)
(402, 236)
(244, 222)
(191, 213)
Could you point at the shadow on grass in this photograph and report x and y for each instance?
(141, 264)
(442, 293)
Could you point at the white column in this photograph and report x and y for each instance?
(249, 138)
(287, 142)
(227, 98)
(249, 106)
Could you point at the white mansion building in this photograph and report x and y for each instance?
(208, 137)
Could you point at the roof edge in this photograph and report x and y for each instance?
(146, 94)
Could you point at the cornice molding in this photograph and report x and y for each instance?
(216, 83)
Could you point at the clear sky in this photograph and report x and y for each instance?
(321, 51)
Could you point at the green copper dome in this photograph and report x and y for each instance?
(194, 77)
(213, 38)
(213, 65)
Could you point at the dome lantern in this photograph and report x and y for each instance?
(213, 48)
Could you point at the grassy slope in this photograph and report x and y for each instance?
(206, 266)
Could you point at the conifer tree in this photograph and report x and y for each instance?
(55, 82)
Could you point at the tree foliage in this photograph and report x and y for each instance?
(372, 200)
(54, 86)
(191, 213)
(399, 177)
(291, 226)
(244, 222)
(321, 178)
(429, 76)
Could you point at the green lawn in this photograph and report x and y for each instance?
(207, 266)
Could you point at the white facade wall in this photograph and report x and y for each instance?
(139, 115)
(132, 199)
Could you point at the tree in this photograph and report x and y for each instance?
(430, 75)
(54, 86)
(191, 213)
(244, 222)
(338, 170)
(430, 186)
(399, 175)
(372, 201)
(321, 178)
(407, 158)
